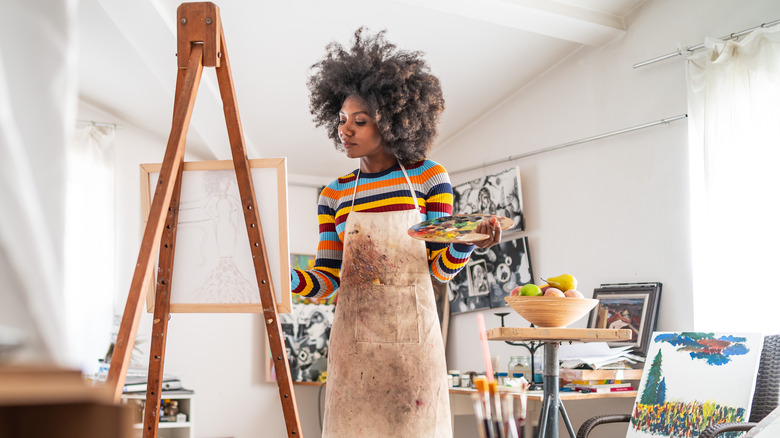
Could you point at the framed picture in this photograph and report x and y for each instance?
(306, 330)
(213, 268)
(498, 194)
(490, 275)
(627, 306)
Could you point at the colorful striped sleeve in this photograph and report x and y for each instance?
(445, 260)
(323, 279)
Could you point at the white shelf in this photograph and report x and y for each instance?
(167, 429)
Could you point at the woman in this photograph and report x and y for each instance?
(386, 368)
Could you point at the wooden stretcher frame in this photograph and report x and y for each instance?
(271, 175)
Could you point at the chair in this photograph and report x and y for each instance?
(765, 397)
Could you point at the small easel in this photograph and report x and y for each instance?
(200, 42)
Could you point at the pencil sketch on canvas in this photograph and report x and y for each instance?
(213, 266)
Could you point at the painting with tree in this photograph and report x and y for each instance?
(694, 379)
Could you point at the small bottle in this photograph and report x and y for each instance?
(501, 378)
(102, 373)
(465, 380)
(172, 407)
(455, 378)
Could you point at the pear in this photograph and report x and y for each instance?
(562, 282)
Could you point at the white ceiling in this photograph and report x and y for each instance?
(482, 50)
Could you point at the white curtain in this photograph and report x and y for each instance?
(89, 245)
(37, 110)
(734, 129)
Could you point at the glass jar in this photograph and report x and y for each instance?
(520, 364)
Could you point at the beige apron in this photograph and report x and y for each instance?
(387, 375)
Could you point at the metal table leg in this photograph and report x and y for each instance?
(548, 422)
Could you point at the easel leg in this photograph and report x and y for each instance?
(162, 306)
(257, 244)
(172, 162)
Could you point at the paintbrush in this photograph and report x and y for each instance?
(495, 403)
(482, 408)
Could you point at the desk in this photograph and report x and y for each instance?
(49, 401)
(551, 338)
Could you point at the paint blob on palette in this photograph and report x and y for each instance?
(460, 228)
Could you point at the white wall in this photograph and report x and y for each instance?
(614, 210)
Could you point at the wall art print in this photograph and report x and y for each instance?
(306, 330)
(632, 306)
(694, 379)
(306, 337)
(490, 275)
(499, 194)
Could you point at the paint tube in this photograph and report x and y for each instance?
(495, 404)
(482, 408)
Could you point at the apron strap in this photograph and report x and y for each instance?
(408, 181)
(411, 188)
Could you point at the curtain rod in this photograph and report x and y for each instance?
(572, 143)
(679, 52)
(100, 124)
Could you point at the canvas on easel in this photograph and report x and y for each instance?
(214, 271)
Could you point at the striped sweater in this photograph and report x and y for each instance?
(380, 192)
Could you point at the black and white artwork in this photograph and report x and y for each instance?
(499, 194)
(490, 275)
(306, 333)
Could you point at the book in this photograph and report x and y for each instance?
(599, 389)
(595, 382)
(167, 385)
(603, 385)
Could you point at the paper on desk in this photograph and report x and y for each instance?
(590, 349)
(595, 355)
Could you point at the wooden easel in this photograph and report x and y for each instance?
(200, 43)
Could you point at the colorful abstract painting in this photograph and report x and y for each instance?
(694, 379)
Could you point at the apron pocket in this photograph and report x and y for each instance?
(387, 314)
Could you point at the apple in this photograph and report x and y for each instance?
(530, 290)
(544, 287)
(573, 293)
(554, 292)
(515, 292)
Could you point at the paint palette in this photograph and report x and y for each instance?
(460, 228)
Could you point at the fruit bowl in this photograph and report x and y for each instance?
(551, 311)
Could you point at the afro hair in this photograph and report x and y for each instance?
(405, 98)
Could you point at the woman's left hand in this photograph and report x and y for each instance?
(492, 228)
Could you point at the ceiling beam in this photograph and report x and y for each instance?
(543, 17)
(151, 31)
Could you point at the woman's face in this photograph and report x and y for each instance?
(358, 132)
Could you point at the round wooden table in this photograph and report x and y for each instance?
(552, 338)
